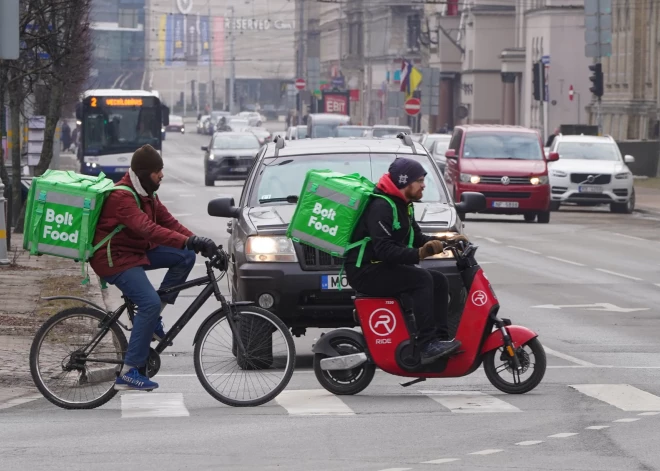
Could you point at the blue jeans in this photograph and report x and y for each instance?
(135, 285)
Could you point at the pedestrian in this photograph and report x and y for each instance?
(551, 138)
(66, 136)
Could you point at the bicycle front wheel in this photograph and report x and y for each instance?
(73, 363)
(257, 374)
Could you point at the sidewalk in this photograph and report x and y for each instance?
(647, 196)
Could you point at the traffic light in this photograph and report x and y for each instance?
(537, 80)
(597, 79)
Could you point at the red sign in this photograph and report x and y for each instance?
(570, 93)
(335, 103)
(300, 84)
(412, 106)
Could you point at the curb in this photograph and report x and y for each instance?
(651, 212)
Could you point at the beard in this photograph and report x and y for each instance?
(148, 184)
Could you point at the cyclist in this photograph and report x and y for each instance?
(152, 239)
(389, 267)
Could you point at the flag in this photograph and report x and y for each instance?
(411, 77)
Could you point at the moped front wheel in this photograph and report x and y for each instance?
(344, 382)
(503, 375)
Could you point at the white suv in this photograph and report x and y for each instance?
(590, 171)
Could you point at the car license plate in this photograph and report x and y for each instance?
(505, 204)
(239, 169)
(590, 189)
(330, 282)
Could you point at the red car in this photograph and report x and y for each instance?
(506, 164)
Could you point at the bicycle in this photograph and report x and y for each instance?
(252, 352)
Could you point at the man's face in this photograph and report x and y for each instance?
(415, 190)
(157, 177)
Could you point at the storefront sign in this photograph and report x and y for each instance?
(252, 24)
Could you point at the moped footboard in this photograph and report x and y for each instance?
(519, 336)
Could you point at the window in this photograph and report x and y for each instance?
(413, 30)
(502, 145)
(455, 142)
(128, 18)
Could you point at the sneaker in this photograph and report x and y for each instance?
(133, 380)
(436, 349)
(159, 333)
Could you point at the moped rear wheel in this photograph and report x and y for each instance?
(344, 382)
(498, 366)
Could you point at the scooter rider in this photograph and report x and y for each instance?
(389, 267)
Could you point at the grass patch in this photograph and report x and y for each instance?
(653, 183)
(68, 285)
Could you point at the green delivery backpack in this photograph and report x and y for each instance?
(329, 207)
(62, 210)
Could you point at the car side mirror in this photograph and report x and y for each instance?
(450, 154)
(629, 159)
(553, 157)
(205, 148)
(223, 208)
(471, 202)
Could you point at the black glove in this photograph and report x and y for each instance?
(202, 245)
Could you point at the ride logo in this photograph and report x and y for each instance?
(59, 226)
(321, 219)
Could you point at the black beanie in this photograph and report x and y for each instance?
(404, 171)
(146, 160)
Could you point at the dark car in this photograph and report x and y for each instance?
(297, 282)
(229, 156)
(176, 124)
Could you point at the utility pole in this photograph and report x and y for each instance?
(232, 76)
(209, 87)
(301, 57)
(341, 35)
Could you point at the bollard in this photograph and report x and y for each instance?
(4, 261)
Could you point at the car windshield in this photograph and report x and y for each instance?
(382, 132)
(502, 145)
(588, 151)
(176, 120)
(228, 141)
(302, 132)
(279, 177)
(344, 131)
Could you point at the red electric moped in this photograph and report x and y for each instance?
(514, 360)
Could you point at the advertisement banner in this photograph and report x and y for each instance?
(192, 39)
(179, 52)
(162, 38)
(219, 40)
(169, 40)
(336, 102)
(205, 40)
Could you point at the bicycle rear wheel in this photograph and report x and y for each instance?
(64, 370)
(253, 378)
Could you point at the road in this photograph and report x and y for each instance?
(588, 283)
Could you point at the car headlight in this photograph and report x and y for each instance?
(211, 157)
(540, 180)
(559, 173)
(270, 249)
(467, 178)
(622, 175)
(162, 129)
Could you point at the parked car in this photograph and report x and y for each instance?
(351, 131)
(385, 130)
(176, 124)
(591, 171)
(295, 281)
(229, 156)
(437, 145)
(505, 163)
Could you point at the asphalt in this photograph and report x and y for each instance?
(588, 283)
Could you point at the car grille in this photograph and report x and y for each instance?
(598, 179)
(314, 259)
(231, 161)
(506, 194)
(559, 189)
(497, 180)
(622, 192)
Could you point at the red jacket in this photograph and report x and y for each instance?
(145, 229)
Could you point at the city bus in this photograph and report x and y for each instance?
(113, 124)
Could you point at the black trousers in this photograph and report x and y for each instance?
(428, 289)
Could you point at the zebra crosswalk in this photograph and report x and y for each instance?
(319, 402)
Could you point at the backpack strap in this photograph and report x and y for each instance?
(395, 214)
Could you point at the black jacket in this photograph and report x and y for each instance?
(387, 245)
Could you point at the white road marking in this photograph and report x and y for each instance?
(17, 401)
(139, 405)
(490, 239)
(630, 237)
(468, 402)
(312, 402)
(565, 261)
(441, 461)
(619, 274)
(623, 396)
(597, 427)
(529, 443)
(524, 249)
(627, 420)
(657, 284)
(396, 469)
(489, 451)
(562, 435)
(166, 202)
(563, 356)
(649, 413)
